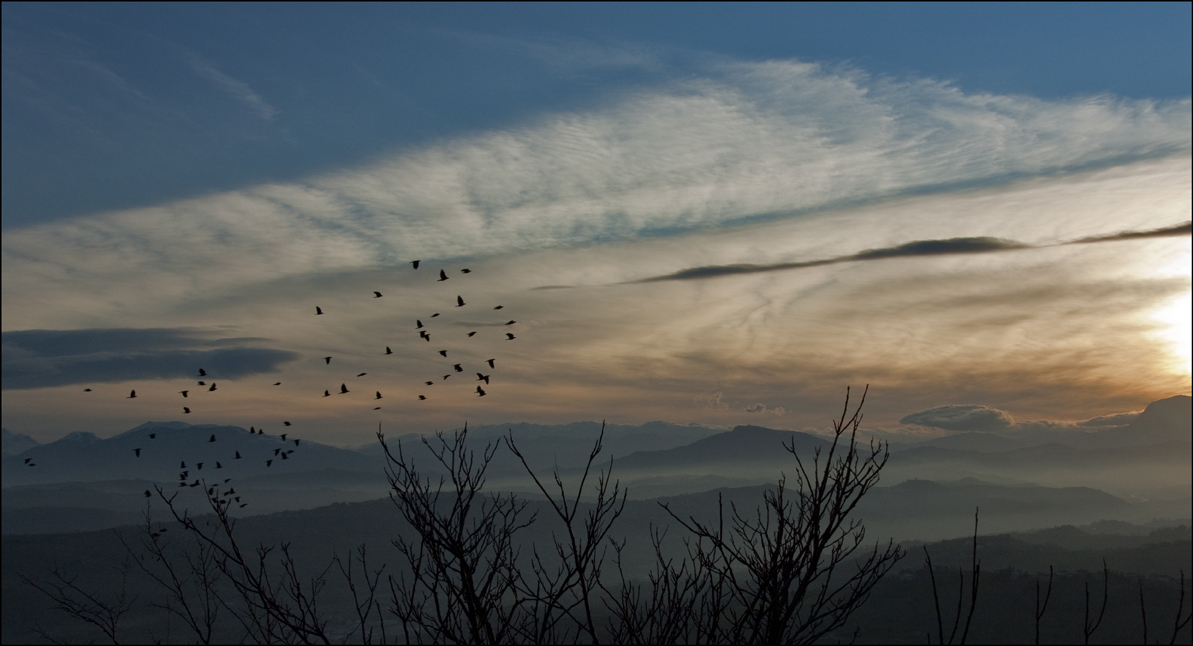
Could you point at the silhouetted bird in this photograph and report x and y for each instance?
(415, 263)
(243, 504)
(147, 494)
(343, 389)
(442, 276)
(186, 411)
(138, 452)
(509, 337)
(471, 333)
(490, 362)
(480, 377)
(435, 314)
(318, 310)
(284, 457)
(327, 360)
(420, 398)
(283, 436)
(295, 444)
(419, 324)
(277, 451)
(443, 352)
(32, 464)
(465, 271)
(376, 294)
(252, 430)
(202, 383)
(195, 483)
(86, 390)
(218, 465)
(378, 395)
(376, 408)
(430, 383)
(237, 455)
(285, 423)
(182, 466)
(202, 372)
(268, 462)
(458, 368)
(459, 301)
(152, 436)
(498, 307)
(184, 393)
(131, 395)
(199, 465)
(426, 337)
(362, 374)
(326, 394)
(446, 376)
(480, 392)
(510, 322)
(277, 383)
(388, 351)
(28, 460)
(212, 438)
(212, 389)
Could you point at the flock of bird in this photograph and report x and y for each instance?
(205, 384)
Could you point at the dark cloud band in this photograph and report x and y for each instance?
(918, 248)
(48, 358)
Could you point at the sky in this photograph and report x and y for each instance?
(708, 213)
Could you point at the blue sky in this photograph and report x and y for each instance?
(113, 106)
(193, 180)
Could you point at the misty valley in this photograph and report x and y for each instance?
(1092, 523)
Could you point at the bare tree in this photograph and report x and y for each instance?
(975, 569)
(789, 573)
(69, 597)
(463, 567)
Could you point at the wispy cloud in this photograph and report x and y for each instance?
(239, 90)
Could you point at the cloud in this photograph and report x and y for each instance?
(47, 358)
(962, 417)
(1164, 232)
(1117, 419)
(239, 90)
(763, 408)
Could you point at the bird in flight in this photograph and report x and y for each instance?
(465, 271)
(138, 452)
(471, 333)
(459, 301)
(86, 390)
(199, 465)
(480, 377)
(442, 276)
(388, 351)
(435, 314)
(152, 436)
(415, 263)
(490, 362)
(426, 337)
(295, 444)
(443, 352)
(480, 392)
(509, 337)
(186, 411)
(283, 436)
(327, 361)
(212, 438)
(182, 465)
(218, 465)
(376, 294)
(237, 455)
(326, 394)
(422, 398)
(318, 310)
(184, 392)
(212, 389)
(458, 368)
(277, 383)
(498, 307)
(268, 462)
(362, 374)
(343, 389)
(510, 322)
(420, 324)
(131, 395)
(202, 383)
(202, 372)
(378, 395)
(285, 423)
(431, 383)
(147, 494)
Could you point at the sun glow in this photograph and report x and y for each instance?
(1176, 329)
